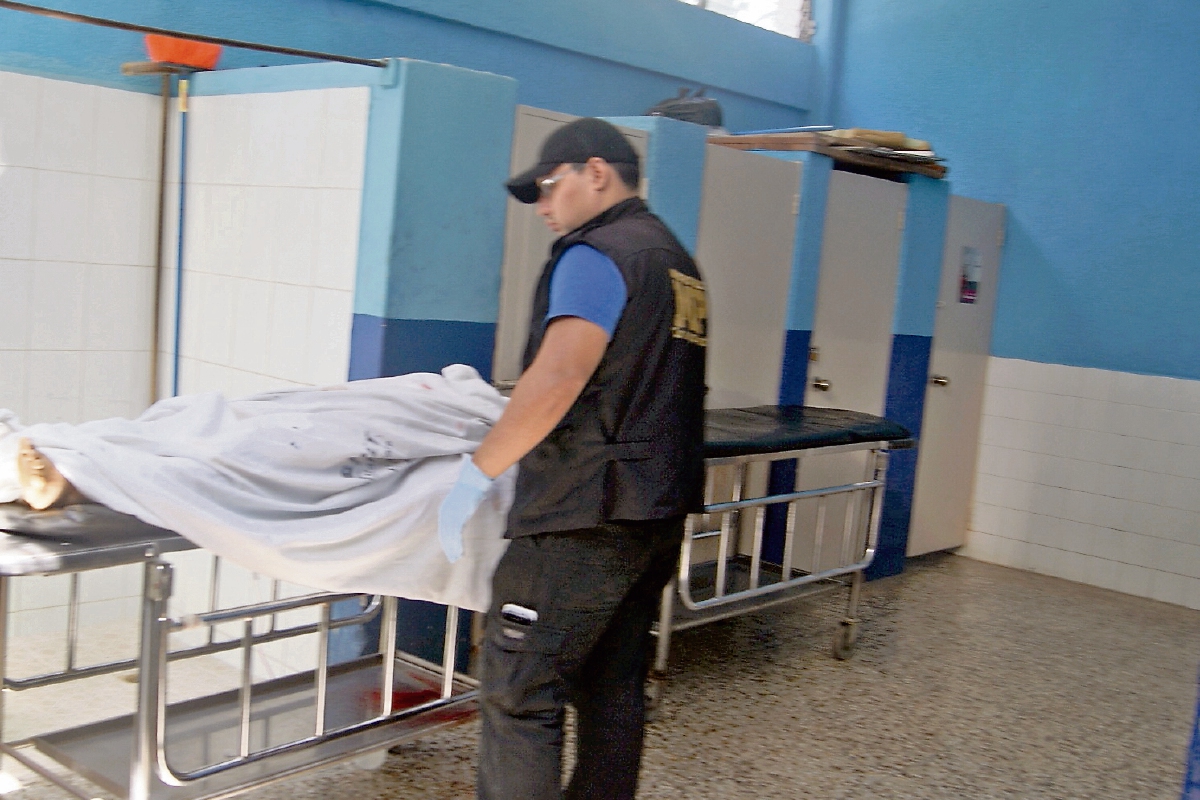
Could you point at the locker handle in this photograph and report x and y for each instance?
(939, 380)
(822, 384)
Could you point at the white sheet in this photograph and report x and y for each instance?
(335, 488)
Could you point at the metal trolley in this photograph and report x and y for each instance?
(777, 526)
(226, 742)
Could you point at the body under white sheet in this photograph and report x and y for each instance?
(336, 488)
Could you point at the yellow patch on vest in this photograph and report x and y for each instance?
(691, 309)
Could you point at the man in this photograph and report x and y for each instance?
(607, 423)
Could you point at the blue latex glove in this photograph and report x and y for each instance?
(464, 498)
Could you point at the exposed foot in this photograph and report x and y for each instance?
(42, 485)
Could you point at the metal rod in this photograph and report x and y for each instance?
(28, 762)
(3, 653)
(274, 597)
(388, 648)
(179, 236)
(242, 613)
(848, 528)
(818, 536)
(726, 528)
(160, 236)
(789, 534)
(322, 675)
(72, 620)
(148, 732)
(198, 37)
(816, 577)
(177, 778)
(213, 590)
(737, 505)
(666, 614)
(756, 552)
(449, 651)
(50, 679)
(245, 690)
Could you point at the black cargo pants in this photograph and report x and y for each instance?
(595, 593)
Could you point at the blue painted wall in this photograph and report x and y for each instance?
(592, 57)
(1075, 115)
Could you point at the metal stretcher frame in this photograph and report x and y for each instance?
(84, 538)
(742, 583)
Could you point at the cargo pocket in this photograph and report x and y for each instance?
(521, 667)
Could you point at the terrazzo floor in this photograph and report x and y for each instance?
(970, 681)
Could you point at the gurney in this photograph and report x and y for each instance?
(228, 742)
(776, 526)
(334, 487)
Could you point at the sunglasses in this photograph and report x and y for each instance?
(546, 185)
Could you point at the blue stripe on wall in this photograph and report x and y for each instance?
(384, 347)
(794, 372)
(793, 378)
(905, 404)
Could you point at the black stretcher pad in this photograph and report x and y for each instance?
(777, 429)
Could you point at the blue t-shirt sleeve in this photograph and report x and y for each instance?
(586, 283)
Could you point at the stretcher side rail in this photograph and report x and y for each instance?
(740, 579)
(72, 673)
(756, 589)
(81, 538)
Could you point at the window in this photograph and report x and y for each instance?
(789, 17)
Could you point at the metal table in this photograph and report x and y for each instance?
(227, 742)
(756, 461)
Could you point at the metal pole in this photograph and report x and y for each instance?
(72, 620)
(388, 649)
(183, 89)
(3, 652)
(244, 694)
(156, 588)
(160, 237)
(450, 651)
(322, 667)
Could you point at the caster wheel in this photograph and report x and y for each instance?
(845, 640)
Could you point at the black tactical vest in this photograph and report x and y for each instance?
(631, 447)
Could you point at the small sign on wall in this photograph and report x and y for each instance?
(972, 268)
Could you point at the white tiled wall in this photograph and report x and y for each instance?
(78, 208)
(272, 233)
(1091, 475)
(271, 239)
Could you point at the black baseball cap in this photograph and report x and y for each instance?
(573, 143)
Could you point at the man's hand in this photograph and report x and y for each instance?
(458, 507)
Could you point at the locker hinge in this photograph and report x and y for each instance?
(1001, 233)
(900, 220)
(795, 204)
(814, 354)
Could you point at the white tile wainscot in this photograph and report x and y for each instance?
(1092, 476)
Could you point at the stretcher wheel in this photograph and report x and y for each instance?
(845, 639)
